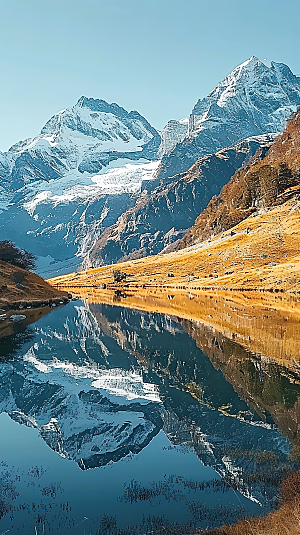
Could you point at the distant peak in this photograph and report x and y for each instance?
(86, 102)
(80, 102)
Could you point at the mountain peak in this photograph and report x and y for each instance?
(255, 98)
(255, 71)
(251, 84)
(250, 62)
(99, 105)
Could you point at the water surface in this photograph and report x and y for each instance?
(115, 421)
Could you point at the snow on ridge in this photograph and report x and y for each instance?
(83, 138)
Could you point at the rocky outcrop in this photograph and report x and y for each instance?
(174, 132)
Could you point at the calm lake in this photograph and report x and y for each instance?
(120, 422)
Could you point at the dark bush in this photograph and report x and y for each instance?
(119, 276)
(18, 257)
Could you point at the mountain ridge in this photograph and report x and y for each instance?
(87, 167)
(247, 239)
(253, 99)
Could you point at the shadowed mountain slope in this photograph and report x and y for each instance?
(268, 180)
(160, 217)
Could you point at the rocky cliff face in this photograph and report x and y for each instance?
(253, 99)
(160, 217)
(271, 178)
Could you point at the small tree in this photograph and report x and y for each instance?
(18, 257)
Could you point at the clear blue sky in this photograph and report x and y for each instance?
(155, 56)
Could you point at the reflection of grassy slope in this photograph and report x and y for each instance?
(284, 521)
(11, 346)
(18, 285)
(270, 388)
(8, 328)
(14, 335)
(266, 324)
(237, 331)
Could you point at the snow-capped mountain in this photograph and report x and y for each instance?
(58, 191)
(86, 137)
(61, 190)
(253, 99)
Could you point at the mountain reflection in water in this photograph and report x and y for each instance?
(181, 424)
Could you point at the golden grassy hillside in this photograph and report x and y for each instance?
(21, 287)
(260, 253)
(284, 521)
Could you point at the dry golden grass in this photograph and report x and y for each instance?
(20, 286)
(284, 521)
(261, 253)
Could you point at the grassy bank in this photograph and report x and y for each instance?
(20, 288)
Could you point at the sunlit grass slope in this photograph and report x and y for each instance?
(260, 253)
